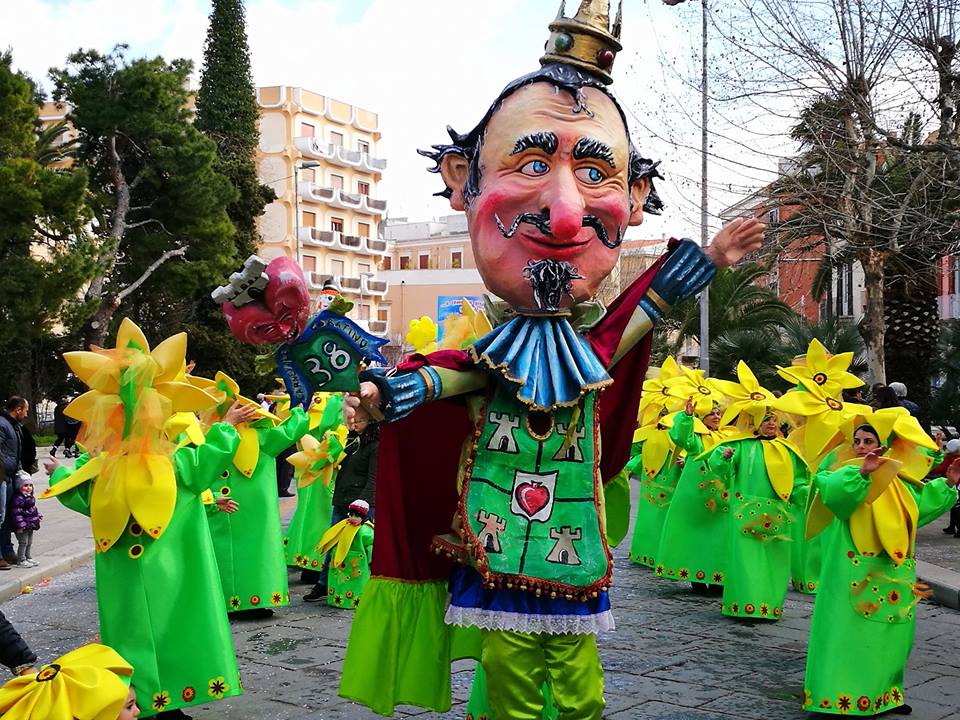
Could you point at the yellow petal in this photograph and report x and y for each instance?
(152, 492)
(169, 355)
(129, 334)
(89, 470)
(185, 397)
(108, 503)
(746, 377)
(881, 478)
(863, 532)
(248, 451)
(98, 371)
(328, 538)
(891, 524)
(776, 458)
(819, 517)
(816, 358)
(344, 542)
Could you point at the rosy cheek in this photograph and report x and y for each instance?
(612, 208)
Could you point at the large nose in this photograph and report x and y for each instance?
(562, 197)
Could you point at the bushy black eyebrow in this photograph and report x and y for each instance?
(592, 148)
(544, 140)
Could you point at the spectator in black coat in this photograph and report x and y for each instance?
(16, 448)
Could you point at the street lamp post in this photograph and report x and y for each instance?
(296, 201)
(704, 215)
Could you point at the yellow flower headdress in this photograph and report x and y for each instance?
(85, 684)
(656, 395)
(226, 391)
(692, 384)
(824, 416)
(134, 392)
(746, 397)
(317, 459)
(819, 367)
(902, 433)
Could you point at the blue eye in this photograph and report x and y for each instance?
(591, 175)
(535, 167)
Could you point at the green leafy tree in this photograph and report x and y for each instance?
(227, 113)
(45, 251)
(159, 201)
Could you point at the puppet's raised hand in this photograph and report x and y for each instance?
(353, 410)
(735, 239)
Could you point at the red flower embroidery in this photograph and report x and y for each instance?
(863, 703)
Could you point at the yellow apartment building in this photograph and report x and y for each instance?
(320, 157)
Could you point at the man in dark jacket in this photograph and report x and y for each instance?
(14, 652)
(12, 448)
(356, 480)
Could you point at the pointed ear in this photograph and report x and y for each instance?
(454, 170)
(638, 196)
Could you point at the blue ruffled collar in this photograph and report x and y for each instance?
(548, 362)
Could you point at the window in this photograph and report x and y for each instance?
(955, 274)
(363, 229)
(336, 181)
(336, 267)
(423, 261)
(844, 296)
(456, 258)
(405, 262)
(773, 216)
(386, 263)
(363, 267)
(309, 263)
(364, 312)
(309, 219)
(363, 188)
(307, 130)
(383, 314)
(336, 138)
(363, 146)
(336, 224)
(308, 175)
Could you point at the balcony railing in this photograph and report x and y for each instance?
(316, 236)
(351, 242)
(316, 280)
(374, 287)
(349, 284)
(341, 198)
(339, 155)
(376, 246)
(378, 327)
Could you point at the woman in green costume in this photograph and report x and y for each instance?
(157, 584)
(321, 451)
(248, 542)
(804, 552)
(693, 545)
(863, 619)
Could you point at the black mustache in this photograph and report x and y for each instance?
(542, 222)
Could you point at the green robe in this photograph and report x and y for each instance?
(805, 553)
(311, 519)
(694, 541)
(655, 496)
(159, 600)
(758, 531)
(248, 543)
(855, 660)
(345, 582)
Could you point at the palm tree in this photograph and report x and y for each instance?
(736, 303)
(836, 335)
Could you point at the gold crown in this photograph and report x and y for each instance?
(586, 40)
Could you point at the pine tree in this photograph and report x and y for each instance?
(227, 113)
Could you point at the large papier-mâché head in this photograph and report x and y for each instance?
(549, 178)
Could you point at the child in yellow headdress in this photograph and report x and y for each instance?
(867, 508)
(89, 683)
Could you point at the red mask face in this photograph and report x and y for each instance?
(282, 314)
(553, 186)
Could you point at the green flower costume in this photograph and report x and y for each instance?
(248, 544)
(805, 552)
(694, 542)
(863, 619)
(352, 548)
(159, 600)
(321, 455)
(760, 477)
(655, 460)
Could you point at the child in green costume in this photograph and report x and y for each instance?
(248, 542)
(351, 541)
(868, 512)
(321, 451)
(157, 589)
(693, 544)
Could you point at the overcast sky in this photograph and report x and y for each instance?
(421, 64)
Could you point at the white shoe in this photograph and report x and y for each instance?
(31, 563)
